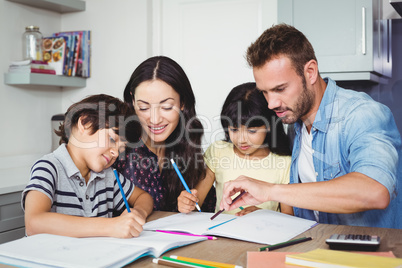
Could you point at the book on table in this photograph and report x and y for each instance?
(257, 259)
(336, 259)
(46, 250)
(261, 226)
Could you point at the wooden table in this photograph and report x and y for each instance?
(235, 251)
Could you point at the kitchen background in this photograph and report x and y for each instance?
(207, 38)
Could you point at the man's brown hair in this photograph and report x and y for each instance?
(281, 40)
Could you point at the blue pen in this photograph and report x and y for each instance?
(183, 181)
(121, 190)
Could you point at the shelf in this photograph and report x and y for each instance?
(43, 79)
(60, 6)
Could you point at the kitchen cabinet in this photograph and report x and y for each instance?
(350, 39)
(12, 224)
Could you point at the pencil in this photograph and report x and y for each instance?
(212, 263)
(187, 262)
(212, 227)
(285, 244)
(183, 181)
(180, 233)
(222, 210)
(121, 190)
(173, 263)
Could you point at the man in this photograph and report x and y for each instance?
(347, 148)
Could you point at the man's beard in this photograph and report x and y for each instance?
(302, 106)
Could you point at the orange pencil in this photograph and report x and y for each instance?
(205, 262)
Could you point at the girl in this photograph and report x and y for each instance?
(161, 96)
(256, 146)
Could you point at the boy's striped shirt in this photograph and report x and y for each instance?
(56, 176)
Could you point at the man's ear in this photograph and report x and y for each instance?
(311, 71)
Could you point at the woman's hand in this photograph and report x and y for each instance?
(186, 201)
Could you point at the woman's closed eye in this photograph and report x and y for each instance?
(143, 108)
(167, 108)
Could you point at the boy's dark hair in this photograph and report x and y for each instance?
(281, 40)
(245, 105)
(100, 112)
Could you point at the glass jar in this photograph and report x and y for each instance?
(32, 43)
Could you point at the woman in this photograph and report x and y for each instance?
(161, 96)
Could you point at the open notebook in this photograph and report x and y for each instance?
(261, 226)
(45, 250)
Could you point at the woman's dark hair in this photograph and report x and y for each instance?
(184, 144)
(245, 105)
(100, 112)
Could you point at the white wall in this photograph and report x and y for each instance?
(119, 30)
(120, 42)
(122, 32)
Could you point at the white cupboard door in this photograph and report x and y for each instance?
(341, 31)
(209, 39)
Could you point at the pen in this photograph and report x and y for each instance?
(205, 262)
(183, 181)
(285, 244)
(121, 190)
(222, 210)
(180, 233)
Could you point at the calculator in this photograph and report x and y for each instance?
(354, 242)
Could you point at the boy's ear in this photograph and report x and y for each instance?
(80, 126)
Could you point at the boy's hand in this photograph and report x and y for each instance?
(186, 201)
(128, 225)
(247, 210)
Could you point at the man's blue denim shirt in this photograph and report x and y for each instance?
(353, 133)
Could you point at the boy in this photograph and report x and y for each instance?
(73, 191)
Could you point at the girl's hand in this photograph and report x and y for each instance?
(186, 201)
(247, 210)
(128, 225)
